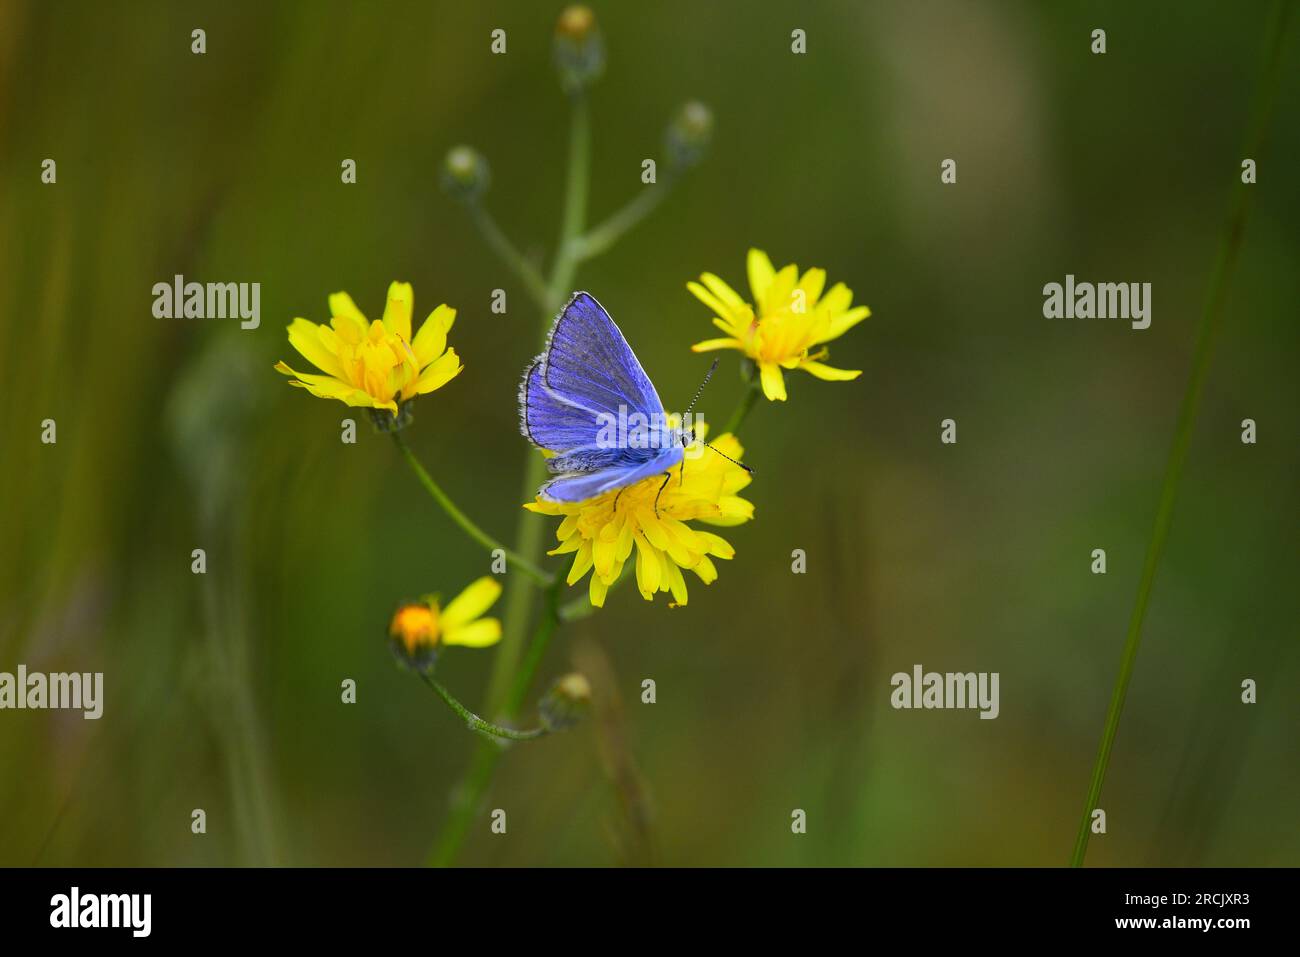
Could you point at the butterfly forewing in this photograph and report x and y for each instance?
(587, 378)
(588, 361)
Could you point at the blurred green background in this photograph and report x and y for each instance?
(222, 692)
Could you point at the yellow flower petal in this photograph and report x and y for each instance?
(477, 634)
(827, 373)
(350, 330)
(710, 344)
(647, 568)
(431, 340)
(567, 547)
(837, 300)
(604, 550)
(760, 272)
(653, 531)
(812, 283)
(342, 307)
(677, 584)
(440, 372)
(773, 382)
(726, 295)
(582, 563)
(305, 337)
(713, 302)
(718, 546)
(327, 387)
(472, 602)
(707, 571)
(778, 293)
(837, 325)
(731, 511)
(397, 313)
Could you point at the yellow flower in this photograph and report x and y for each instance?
(374, 364)
(603, 531)
(792, 318)
(419, 628)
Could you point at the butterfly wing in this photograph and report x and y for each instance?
(556, 422)
(587, 370)
(587, 377)
(579, 486)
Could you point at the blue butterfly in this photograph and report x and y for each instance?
(587, 399)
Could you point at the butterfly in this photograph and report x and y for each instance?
(587, 399)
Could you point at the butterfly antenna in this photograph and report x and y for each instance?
(707, 376)
(730, 459)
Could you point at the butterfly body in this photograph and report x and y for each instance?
(587, 399)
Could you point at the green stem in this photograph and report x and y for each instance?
(602, 237)
(516, 608)
(575, 204)
(473, 720)
(1211, 321)
(460, 518)
(541, 640)
(746, 403)
(528, 273)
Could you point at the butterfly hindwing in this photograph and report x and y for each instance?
(577, 487)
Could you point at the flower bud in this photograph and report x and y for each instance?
(566, 703)
(414, 633)
(689, 134)
(579, 48)
(465, 173)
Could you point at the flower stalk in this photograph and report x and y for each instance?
(476, 723)
(600, 238)
(575, 206)
(528, 567)
(527, 273)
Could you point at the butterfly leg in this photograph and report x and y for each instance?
(667, 478)
(681, 476)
